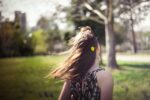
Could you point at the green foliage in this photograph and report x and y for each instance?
(23, 79)
(81, 16)
(67, 37)
(97, 28)
(13, 41)
(147, 34)
(46, 36)
(53, 37)
(38, 40)
(120, 33)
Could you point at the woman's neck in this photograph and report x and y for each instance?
(94, 67)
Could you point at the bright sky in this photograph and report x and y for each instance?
(36, 8)
(33, 8)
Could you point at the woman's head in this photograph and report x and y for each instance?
(82, 56)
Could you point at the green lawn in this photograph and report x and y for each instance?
(23, 79)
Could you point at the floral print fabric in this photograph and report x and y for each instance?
(86, 88)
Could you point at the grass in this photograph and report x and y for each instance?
(132, 82)
(23, 79)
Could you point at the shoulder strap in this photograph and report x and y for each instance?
(95, 71)
(99, 69)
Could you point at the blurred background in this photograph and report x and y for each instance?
(35, 34)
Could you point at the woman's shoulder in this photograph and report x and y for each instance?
(105, 83)
(104, 76)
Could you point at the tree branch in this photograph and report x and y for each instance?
(79, 18)
(110, 10)
(134, 5)
(98, 13)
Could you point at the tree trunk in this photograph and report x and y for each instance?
(110, 45)
(134, 48)
(101, 60)
(110, 36)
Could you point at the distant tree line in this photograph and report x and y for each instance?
(44, 38)
(13, 41)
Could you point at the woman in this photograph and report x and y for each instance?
(84, 79)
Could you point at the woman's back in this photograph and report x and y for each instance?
(83, 58)
(86, 88)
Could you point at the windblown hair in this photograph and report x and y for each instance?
(81, 57)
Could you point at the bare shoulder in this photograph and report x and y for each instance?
(104, 76)
(105, 83)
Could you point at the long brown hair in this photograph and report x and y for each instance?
(82, 56)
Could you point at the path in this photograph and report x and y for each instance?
(131, 58)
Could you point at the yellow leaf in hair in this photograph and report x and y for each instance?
(92, 49)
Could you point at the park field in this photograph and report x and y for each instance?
(23, 78)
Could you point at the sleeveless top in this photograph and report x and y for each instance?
(86, 88)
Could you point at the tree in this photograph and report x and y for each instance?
(100, 11)
(131, 12)
(38, 41)
(43, 23)
(104, 12)
(47, 35)
(6, 38)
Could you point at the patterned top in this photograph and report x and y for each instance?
(86, 88)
